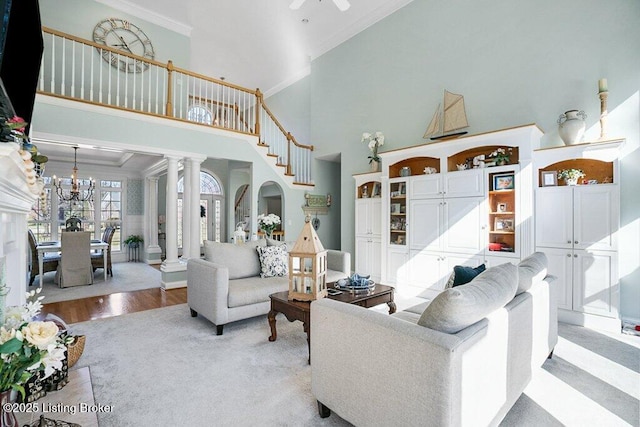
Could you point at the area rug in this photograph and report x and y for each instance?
(127, 276)
(162, 367)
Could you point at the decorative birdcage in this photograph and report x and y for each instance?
(307, 266)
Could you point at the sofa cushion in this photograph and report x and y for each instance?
(531, 270)
(241, 259)
(462, 306)
(274, 261)
(254, 290)
(463, 274)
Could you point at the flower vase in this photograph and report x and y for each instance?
(572, 181)
(375, 165)
(571, 126)
(501, 162)
(7, 417)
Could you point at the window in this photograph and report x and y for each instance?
(49, 213)
(211, 196)
(201, 114)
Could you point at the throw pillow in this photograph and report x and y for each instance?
(532, 269)
(274, 261)
(457, 308)
(463, 274)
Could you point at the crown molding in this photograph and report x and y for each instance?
(148, 15)
(359, 26)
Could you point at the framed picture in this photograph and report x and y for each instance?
(402, 188)
(395, 208)
(501, 207)
(376, 190)
(503, 224)
(508, 224)
(503, 182)
(549, 178)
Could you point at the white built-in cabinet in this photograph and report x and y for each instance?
(432, 222)
(368, 225)
(577, 227)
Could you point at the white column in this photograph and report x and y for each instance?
(187, 206)
(152, 212)
(172, 210)
(195, 206)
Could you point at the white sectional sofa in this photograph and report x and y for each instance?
(226, 286)
(462, 359)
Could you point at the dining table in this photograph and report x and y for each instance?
(56, 246)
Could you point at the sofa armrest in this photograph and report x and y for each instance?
(376, 369)
(339, 261)
(208, 290)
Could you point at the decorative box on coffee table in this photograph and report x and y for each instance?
(307, 266)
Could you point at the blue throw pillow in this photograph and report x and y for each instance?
(462, 274)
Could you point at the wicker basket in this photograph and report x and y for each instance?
(75, 349)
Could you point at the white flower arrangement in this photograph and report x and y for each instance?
(268, 223)
(375, 141)
(28, 345)
(571, 174)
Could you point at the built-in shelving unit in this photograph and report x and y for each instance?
(368, 226)
(398, 213)
(448, 203)
(577, 227)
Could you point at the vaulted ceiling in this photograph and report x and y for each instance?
(259, 43)
(253, 43)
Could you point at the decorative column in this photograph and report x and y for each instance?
(172, 211)
(195, 206)
(187, 207)
(153, 251)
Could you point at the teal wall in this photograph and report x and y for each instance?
(79, 17)
(515, 62)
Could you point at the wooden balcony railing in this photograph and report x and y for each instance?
(81, 70)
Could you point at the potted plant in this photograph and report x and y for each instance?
(571, 176)
(133, 241)
(374, 141)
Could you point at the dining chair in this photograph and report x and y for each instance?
(49, 263)
(97, 260)
(73, 224)
(75, 261)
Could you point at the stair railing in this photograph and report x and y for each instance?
(81, 70)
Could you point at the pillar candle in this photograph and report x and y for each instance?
(602, 85)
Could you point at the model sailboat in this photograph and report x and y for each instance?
(451, 118)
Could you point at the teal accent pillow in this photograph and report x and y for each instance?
(463, 274)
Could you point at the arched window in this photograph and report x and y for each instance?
(201, 114)
(208, 184)
(211, 199)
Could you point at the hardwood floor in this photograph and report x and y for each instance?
(100, 307)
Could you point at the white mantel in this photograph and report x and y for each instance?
(19, 189)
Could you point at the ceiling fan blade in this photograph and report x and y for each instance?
(295, 4)
(342, 4)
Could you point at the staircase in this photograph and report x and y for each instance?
(73, 68)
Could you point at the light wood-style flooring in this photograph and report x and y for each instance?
(100, 307)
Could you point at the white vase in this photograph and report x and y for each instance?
(571, 126)
(572, 181)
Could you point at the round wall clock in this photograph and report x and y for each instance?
(123, 35)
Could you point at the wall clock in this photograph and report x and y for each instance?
(129, 38)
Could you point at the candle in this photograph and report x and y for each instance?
(602, 85)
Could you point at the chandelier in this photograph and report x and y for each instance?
(75, 195)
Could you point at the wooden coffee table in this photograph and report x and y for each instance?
(301, 310)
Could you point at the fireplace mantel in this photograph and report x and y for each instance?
(19, 189)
